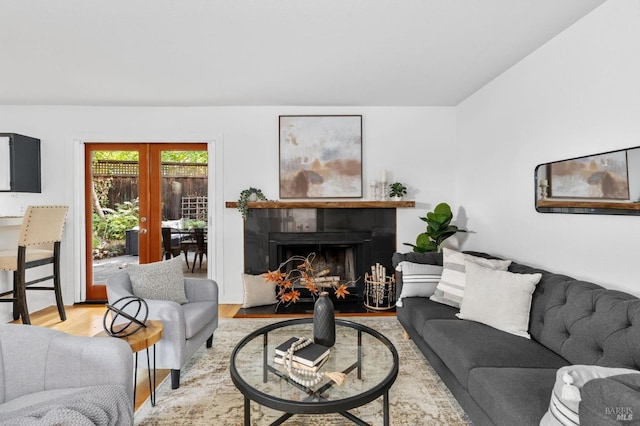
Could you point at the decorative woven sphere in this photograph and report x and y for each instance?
(133, 309)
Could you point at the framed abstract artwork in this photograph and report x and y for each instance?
(320, 156)
(601, 176)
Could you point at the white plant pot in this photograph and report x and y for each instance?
(396, 198)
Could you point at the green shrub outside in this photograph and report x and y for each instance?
(109, 232)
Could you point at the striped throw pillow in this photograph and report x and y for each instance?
(450, 288)
(418, 280)
(565, 397)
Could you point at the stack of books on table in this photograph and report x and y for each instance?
(310, 357)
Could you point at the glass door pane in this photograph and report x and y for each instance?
(184, 204)
(112, 188)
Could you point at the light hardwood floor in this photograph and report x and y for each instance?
(87, 320)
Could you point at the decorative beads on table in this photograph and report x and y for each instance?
(303, 377)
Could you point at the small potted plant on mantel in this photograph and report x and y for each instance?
(248, 196)
(397, 190)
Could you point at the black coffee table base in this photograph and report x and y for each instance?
(346, 414)
(314, 402)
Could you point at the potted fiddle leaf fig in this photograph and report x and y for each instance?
(439, 228)
(247, 196)
(397, 190)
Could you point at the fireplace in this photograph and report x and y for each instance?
(344, 254)
(347, 240)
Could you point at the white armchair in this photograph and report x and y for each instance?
(48, 377)
(186, 327)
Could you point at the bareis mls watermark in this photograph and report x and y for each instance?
(624, 414)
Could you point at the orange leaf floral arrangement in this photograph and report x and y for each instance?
(302, 275)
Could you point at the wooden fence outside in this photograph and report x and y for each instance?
(182, 183)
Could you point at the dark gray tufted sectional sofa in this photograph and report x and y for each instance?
(502, 379)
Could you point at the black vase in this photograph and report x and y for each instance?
(324, 321)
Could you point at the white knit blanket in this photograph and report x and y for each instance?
(99, 405)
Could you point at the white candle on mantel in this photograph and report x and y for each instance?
(383, 176)
(544, 182)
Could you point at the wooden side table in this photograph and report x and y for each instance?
(144, 338)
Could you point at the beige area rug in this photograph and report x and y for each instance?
(207, 396)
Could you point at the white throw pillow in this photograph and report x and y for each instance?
(418, 280)
(450, 288)
(257, 291)
(499, 299)
(159, 280)
(565, 398)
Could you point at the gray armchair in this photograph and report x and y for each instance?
(48, 377)
(186, 327)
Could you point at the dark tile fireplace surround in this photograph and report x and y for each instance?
(346, 240)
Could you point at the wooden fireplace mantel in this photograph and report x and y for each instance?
(323, 204)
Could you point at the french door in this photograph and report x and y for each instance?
(131, 189)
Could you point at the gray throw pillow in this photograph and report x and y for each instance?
(610, 400)
(428, 258)
(159, 280)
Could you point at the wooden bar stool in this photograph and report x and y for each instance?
(38, 244)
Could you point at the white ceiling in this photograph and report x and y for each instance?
(267, 52)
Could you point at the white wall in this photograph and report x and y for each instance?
(410, 143)
(577, 95)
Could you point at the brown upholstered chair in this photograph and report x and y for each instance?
(38, 244)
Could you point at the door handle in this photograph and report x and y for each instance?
(143, 220)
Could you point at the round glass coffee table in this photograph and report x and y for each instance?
(369, 360)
